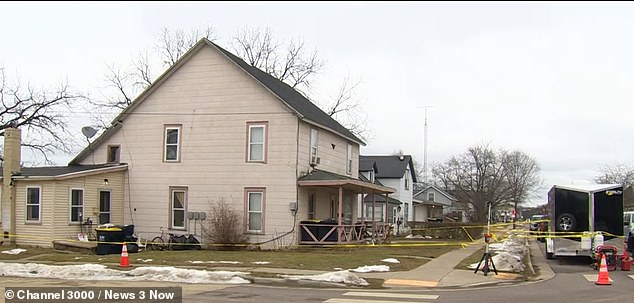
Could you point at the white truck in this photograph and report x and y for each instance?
(583, 218)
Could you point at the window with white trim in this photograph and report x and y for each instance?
(431, 197)
(256, 149)
(33, 204)
(104, 207)
(255, 210)
(349, 160)
(76, 205)
(172, 144)
(178, 206)
(313, 145)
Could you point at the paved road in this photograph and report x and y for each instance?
(574, 282)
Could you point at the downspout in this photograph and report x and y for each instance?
(339, 216)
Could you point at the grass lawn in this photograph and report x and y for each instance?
(325, 259)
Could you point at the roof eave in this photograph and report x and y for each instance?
(84, 173)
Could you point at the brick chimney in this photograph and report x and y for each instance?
(10, 167)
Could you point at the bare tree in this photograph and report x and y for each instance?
(292, 63)
(481, 176)
(295, 66)
(39, 113)
(174, 43)
(620, 174)
(124, 84)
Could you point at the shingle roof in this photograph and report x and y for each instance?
(54, 171)
(292, 97)
(391, 166)
(367, 164)
(288, 95)
(380, 199)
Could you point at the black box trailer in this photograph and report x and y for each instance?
(583, 218)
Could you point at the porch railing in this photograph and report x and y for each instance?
(315, 233)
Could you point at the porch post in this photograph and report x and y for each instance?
(373, 222)
(339, 217)
(363, 206)
(385, 209)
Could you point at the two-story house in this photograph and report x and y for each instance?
(214, 128)
(395, 171)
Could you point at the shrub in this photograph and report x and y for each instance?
(223, 224)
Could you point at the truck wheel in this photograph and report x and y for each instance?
(566, 222)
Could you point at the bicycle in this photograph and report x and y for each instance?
(158, 242)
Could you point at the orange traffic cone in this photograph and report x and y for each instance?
(604, 278)
(124, 262)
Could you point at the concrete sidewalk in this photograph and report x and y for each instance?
(440, 272)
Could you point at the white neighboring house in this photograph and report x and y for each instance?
(431, 204)
(396, 171)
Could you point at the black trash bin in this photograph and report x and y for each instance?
(109, 240)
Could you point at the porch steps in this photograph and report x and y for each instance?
(78, 246)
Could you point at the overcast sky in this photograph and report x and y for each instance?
(551, 79)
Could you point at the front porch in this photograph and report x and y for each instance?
(332, 213)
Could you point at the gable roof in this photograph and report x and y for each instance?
(391, 166)
(303, 107)
(426, 189)
(367, 165)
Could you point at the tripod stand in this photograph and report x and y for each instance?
(486, 257)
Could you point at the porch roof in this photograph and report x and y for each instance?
(427, 202)
(381, 199)
(327, 179)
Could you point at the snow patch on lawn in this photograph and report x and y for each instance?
(101, 272)
(343, 276)
(371, 268)
(391, 260)
(14, 251)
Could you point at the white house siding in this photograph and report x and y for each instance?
(401, 194)
(213, 100)
(55, 210)
(420, 213)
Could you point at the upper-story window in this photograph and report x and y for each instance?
(256, 145)
(431, 197)
(172, 143)
(407, 179)
(113, 153)
(314, 134)
(349, 160)
(372, 176)
(33, 205)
